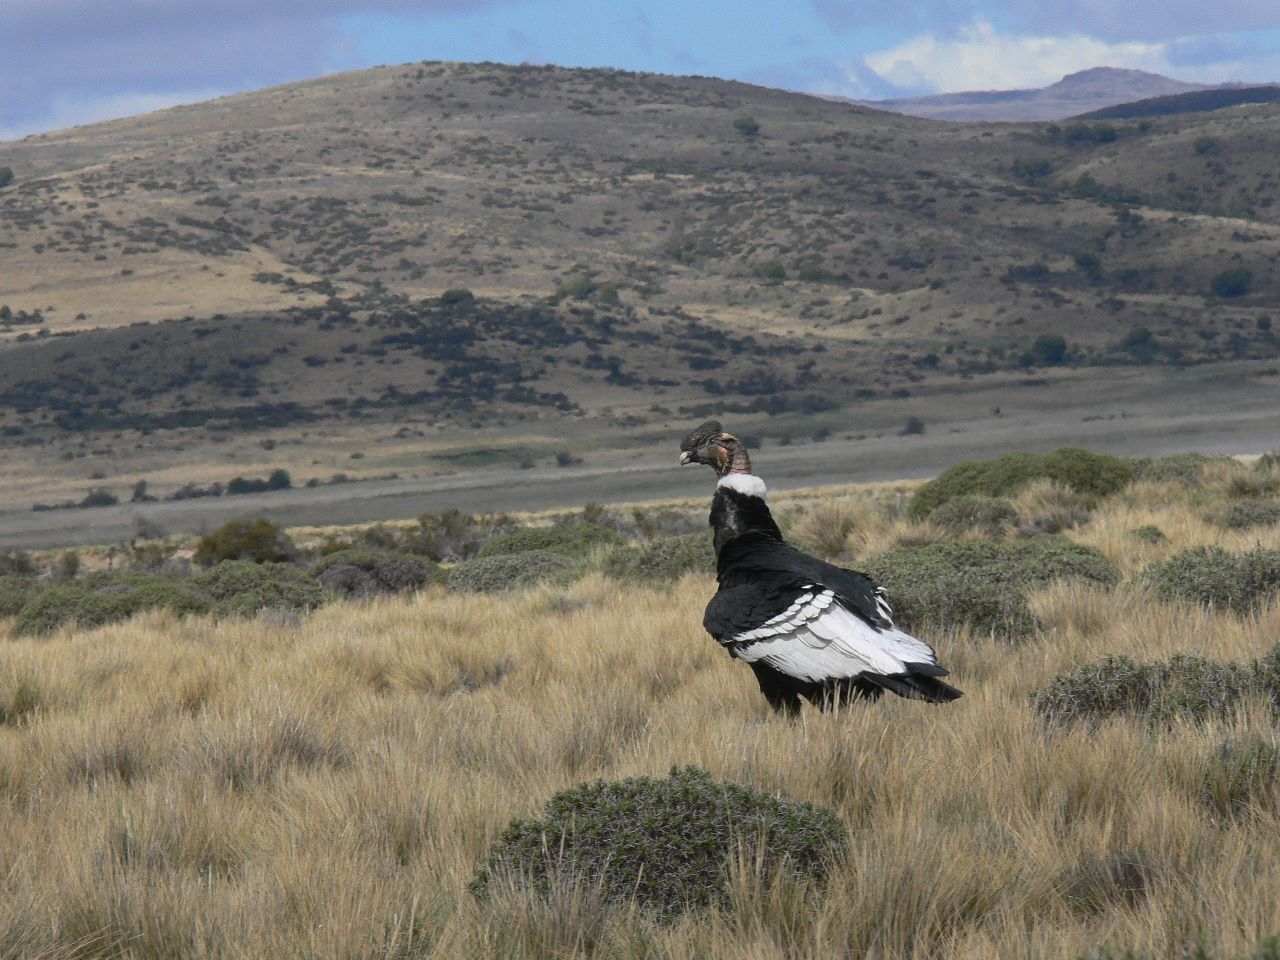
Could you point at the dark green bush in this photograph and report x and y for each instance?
(1243, 514)
(1231, 283)
(1210, 576)
(1095, 474)
(15, 592)
(981, 583)
(991, 515)
(368, 573)
(104, 598)
(1182, 686)
(668, 558)
(243, 588)
(667, 844)
(258, 540)
(1242, 777)
(574, 541)
(1148, 533)
(513, 570)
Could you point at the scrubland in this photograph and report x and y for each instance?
(324, 785)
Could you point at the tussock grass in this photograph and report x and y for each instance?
(327, 786)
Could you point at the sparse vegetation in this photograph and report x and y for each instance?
(258, 540)
(1211, 576)
(510, 571)
(662, 559)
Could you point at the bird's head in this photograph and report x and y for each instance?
(722, 452)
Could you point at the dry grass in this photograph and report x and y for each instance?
(257, 789)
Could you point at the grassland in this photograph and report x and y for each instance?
(325, 785)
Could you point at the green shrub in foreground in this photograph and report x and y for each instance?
(1183, 686)
(243, 588)
(981, 583)
(1184, 468)
(991, 515)
(666, 843)
(104, 598)
(512, 571)
(668, 558)
(1243, 514)
(1094, 474)
(1213, 577)
(368, 573)
(577, 540)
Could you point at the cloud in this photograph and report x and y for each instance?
(70, 112)
(981, 58)
(68, 61)
(1111, 20)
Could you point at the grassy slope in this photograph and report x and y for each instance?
(325, 787)
(380, 188)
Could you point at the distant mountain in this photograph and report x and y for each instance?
(1198, 101)
(1074, 94)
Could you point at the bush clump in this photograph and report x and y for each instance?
(991, 515)
(576, 540)
(104, 598)
(1183, 686)
(1148, 533)
(668, 558)
(258, 540)
(1185, 468)
(1242, 777)
(1095, 474)
(450, 535)
(1243, 514)
(243, 588)
(15, 592)
(1240, 582)
(511, 571)
(368, 573)
(668, 844)
(981, 583)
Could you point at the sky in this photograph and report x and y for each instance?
(68, 62)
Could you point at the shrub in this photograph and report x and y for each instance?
(512, 571)
(1184, 468)
(661, 560)
(457, 295)
(258, 540)
(1244, 514)
(746, 125)
(1095, 474)
(981, 583)
(1212, 577)
(243, 588)
(1242, 777)
(104, 598)
(991, 515)
(367, 573)
(575, 541)
(1183, 686)
(1148, 533)
(1049, 350)
(16, 563)
(666, 844)
(914, 427)
(1231, 283)
(451, 535)
(15, 591)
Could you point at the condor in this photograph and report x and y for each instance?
(806, 627)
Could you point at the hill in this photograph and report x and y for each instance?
(1076, 93)
(1194, 102)
(432, 268)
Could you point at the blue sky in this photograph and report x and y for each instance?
(64, 62)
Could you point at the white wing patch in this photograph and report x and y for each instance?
(816, 638)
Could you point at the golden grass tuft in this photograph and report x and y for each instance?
(325, 788)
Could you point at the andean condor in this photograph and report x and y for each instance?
(807, 627)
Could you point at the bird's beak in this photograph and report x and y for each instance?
(686, 457)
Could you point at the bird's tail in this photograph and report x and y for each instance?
(919, 682)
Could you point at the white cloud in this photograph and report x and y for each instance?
(981, 58)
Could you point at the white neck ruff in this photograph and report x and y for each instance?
(744, 483)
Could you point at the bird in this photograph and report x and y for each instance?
(807, 628)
